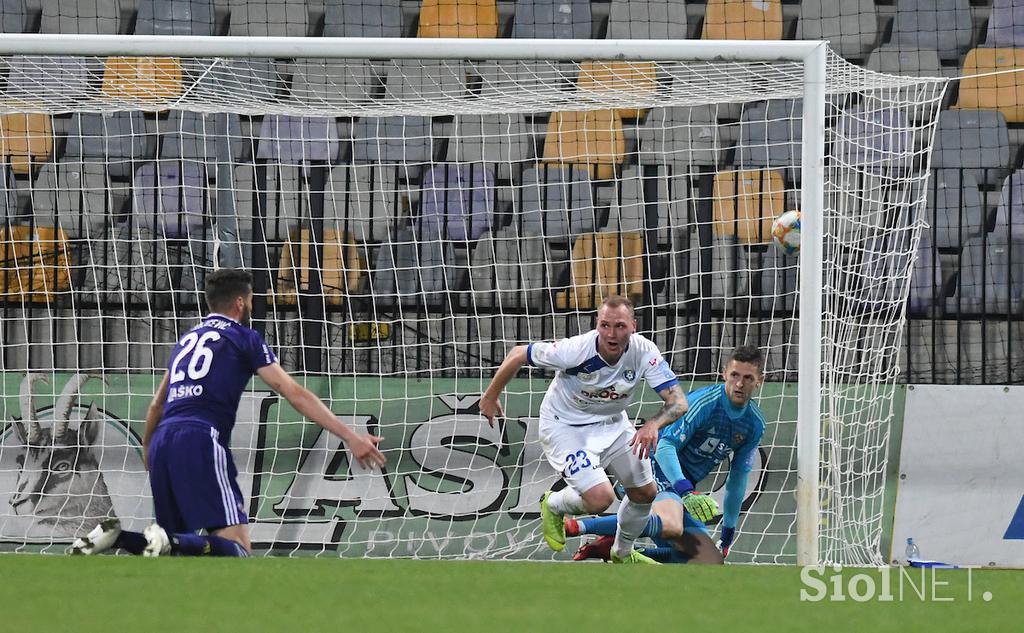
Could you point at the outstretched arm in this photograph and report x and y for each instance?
(363, 447)
(646, 438)
(735, 489)
(490, 407)
(156, 409)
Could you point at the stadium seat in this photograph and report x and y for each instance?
(332, 82)
(1002, 91)
(168, 197)
(875, 136)
(497, 140)
(245, 80)
(73, 196)
(557, 202)
(457, 202)
(36, 263)
(649, 193)
(731, 20)
(82, 17)
(405, 140)
(52, 79)
(926, 279)
(12, 16)
(342, 272)
(525, 79)
(511, 270)
(773, 282)
(591, 140)
(552, 19)
(851, 27)
(26, 140)
(685, 137)
(8, 194)
(975, 140)
(142, 78)
(458, 18)
(423, 79)
(954, 208)
(746, 202)
(991, 277)
(296, 140)
(603, 264)
(915, 62)
(207, 138)
(174, 17)
(940, 25)
(114, 140)
(647, 19)
(1010, 212)
(414, 273)
(363, 18)
(771, 134)
(1005, 24)
(628, 80)
(363, 201)
(268, 18)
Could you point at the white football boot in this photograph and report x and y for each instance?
(157, 543)
(99, 540)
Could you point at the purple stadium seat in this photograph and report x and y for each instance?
(168, 196)
(458, 201)
(1005, 24)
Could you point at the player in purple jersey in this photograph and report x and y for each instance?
(188, 431)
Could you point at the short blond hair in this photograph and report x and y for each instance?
(615, 301)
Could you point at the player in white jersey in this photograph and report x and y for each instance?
(584, 429)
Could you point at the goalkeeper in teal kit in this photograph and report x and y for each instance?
(721, 420)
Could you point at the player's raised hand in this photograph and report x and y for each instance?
(645, 440)
(365, 450)
(491, 409)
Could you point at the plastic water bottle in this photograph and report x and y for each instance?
(912, 552)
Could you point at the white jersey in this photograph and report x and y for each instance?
(586, 389)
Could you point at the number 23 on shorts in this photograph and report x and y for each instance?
(575, 462)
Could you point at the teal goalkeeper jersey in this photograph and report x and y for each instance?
(711, 429)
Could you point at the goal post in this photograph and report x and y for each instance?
(412, 208)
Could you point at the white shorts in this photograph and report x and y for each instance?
(583, 453)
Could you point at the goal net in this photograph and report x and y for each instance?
(408, 221)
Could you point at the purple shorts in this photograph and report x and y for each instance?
(192, 477)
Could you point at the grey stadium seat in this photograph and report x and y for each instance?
(87, 17)
(273, 18)
(647, 19)
(363, 18)
(12, 16)
(991, 277)
(977, 140)
(557, 202)
(954, 206)
(771, 133)
(1005, 24)
(851, 26)
(683, 137)
(552, 19)
(941, 25)
(174, 17)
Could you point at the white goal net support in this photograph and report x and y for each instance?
(410, 216)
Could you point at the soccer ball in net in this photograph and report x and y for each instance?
(786, 232)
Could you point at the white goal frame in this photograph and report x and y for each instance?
(811, 54)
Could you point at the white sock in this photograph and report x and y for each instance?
(632, 517)
(566, 501)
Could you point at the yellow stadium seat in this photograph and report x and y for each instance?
(1003, 92)
(36, 263)
(458, 18)
(631, 79)
(743, 20)
(603, 264)
(142, 78)
(26, 140)
(592, 139)
(746, 203)
(343, 267)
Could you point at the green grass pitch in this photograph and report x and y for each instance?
(129, 594)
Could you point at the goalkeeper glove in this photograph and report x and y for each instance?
(728, 534)
(701, 507)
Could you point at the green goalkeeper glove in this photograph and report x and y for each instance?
(701, 507)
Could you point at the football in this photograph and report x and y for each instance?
(786, 232)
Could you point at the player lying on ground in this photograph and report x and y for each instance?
(189, 422)
(583, 425)
(721, 419)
